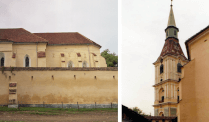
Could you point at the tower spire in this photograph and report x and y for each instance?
(171, 20)
(171, 30)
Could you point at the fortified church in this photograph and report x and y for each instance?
(54, 68)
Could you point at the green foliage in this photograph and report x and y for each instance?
(54, 111)
(111, 58)
(139, 111)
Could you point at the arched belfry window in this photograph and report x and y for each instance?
(84, 64)
(2, 59)
(175, 32)
(27, 61)
(179, 67)
(70, 64)
(161, 68)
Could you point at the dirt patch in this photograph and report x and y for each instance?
(95, 116)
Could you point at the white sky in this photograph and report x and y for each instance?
(143, 36)
(95, 19)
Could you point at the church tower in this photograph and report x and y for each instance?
(168, 71)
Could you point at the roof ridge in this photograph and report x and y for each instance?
(54, 32)
(34, 34)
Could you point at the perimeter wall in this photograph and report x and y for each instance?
(57, 85)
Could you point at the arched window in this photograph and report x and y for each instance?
(175, 32)
(161, 68)
(70, 64)
(2, 59)
(85, 64)
(179, 67)
(27, 61)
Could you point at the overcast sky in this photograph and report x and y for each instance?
(95, 19)
(143, 36)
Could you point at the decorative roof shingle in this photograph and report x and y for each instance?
(172, 47)
(19, 35)
(66, 38)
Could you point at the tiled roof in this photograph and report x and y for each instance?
(66, 38)
(172, 47)
(19, 35)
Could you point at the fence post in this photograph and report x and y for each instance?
(78, 105)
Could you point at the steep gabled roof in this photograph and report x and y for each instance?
(66, 38)
(19, 35)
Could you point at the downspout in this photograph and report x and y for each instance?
(89, 56)
(37, 53)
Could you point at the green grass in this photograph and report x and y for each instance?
(10, 121)
(53, 111)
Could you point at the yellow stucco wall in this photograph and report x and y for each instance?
(194, 85)
(61, 86)
(53, 55)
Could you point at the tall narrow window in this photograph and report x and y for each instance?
(27, 62)
(175, 32)
(2, 61)
(167, 33)
(179, 67)
(162, 99)
(161, 68)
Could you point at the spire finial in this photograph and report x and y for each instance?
(171, 3)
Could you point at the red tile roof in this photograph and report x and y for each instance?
(19, 35)
(172, 47)
(66, 38)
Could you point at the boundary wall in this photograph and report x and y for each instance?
(57, 87)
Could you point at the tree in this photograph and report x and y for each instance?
(111, 58)
(139, 111)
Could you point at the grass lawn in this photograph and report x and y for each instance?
(54, 111)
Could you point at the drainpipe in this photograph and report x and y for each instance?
(37, 53)
(89, 55)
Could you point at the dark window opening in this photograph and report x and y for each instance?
(179, 67)
(2, 61)
(26, 62)
(178, 99)
(179, 79)
(162, 98)
(161, 68)
(161, 80)
(175, 33)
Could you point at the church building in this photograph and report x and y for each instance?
(54, 70)
(20, 48)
